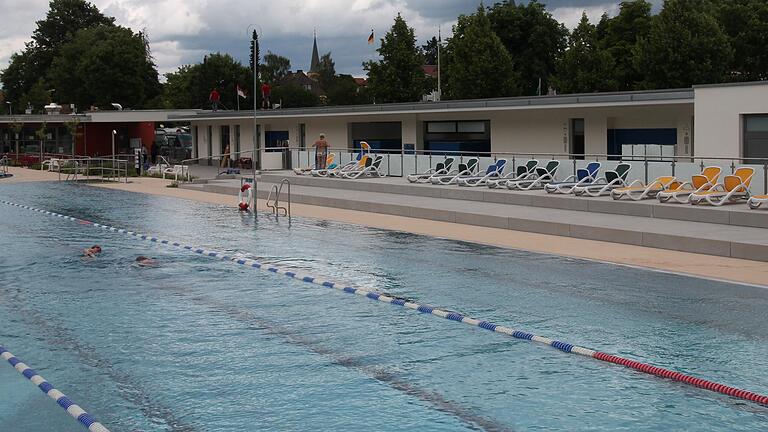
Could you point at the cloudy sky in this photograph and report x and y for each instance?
(182, 31)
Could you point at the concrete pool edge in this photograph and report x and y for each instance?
(717, 268)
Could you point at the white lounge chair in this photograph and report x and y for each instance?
(157, 169)
(734, 187)
(441, 168)
(522, 172)
(464, 170)
(699, 183)
(176, 171)
(494, 170)
(582, 177)
(637, 191)
(756, 201)
(308, 170)
(541, 177)
(372, 169)
(613, 179)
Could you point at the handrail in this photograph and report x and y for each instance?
(275, 204)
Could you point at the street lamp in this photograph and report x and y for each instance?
(114, 132)
(10, 108)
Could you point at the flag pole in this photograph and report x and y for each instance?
(439, 82)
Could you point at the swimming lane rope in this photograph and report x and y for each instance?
(61, 399)
(452, 316)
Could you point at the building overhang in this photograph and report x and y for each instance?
(592, 100)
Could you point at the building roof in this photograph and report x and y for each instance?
(651, 97)
(430, 70)
(130, 116)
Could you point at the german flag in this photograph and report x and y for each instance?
(370, 38)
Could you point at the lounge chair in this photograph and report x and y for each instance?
(637, 191)
(538, 179)
(582, 177)
(522, 172)
(465, 170)
(734, 187)
(613, 179)
(308, 170)
(357, 163)
(493, 171)
(699, 183)
(176, 171)
(756, 201)
(372, 169)
(442, 168)
(157, 169)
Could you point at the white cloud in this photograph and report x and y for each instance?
(570, 16)
(182, 31)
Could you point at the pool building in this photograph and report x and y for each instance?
(707, 121)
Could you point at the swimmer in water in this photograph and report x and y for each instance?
(145, 261)
(92, 251)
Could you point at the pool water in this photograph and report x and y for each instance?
(198, 344)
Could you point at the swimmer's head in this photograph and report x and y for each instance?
(141, 258)
(96, 248)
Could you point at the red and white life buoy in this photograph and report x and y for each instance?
(246, 197)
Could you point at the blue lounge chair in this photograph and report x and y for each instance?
(494, 170)
(582, 177)
(613, 179)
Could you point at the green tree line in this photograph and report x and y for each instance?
(519, 49)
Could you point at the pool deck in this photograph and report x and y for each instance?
(559, 243)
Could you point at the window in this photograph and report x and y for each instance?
(756, 137)
(224, 142)
(237, 141)
(577, 138)
(466, 137)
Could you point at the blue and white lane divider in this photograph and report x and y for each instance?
(453, 316)
(73, 409)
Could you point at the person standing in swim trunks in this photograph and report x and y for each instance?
(321, 152)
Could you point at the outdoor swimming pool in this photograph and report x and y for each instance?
(204, 345)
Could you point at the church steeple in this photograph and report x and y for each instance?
(314, 66)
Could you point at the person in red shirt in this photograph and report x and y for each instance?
(214, 99)
(266, 90)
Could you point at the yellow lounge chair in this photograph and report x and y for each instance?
(733, 188)
(637, 191)
(698, 183)
(756, 201)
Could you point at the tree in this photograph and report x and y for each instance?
(326, 71)
(63, 20)
(585, 66)
(345, 91)
(430, 51)
(274, 68)
(106, 64)
(685, 46)
(293, 96)
(535, 40)
(190, 85)
(477, 64)
(745, 22)
(620, 38)
(398, 76)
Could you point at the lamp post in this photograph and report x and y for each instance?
(114, 132)
(10, 108)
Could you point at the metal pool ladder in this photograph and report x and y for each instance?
(274, 203)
